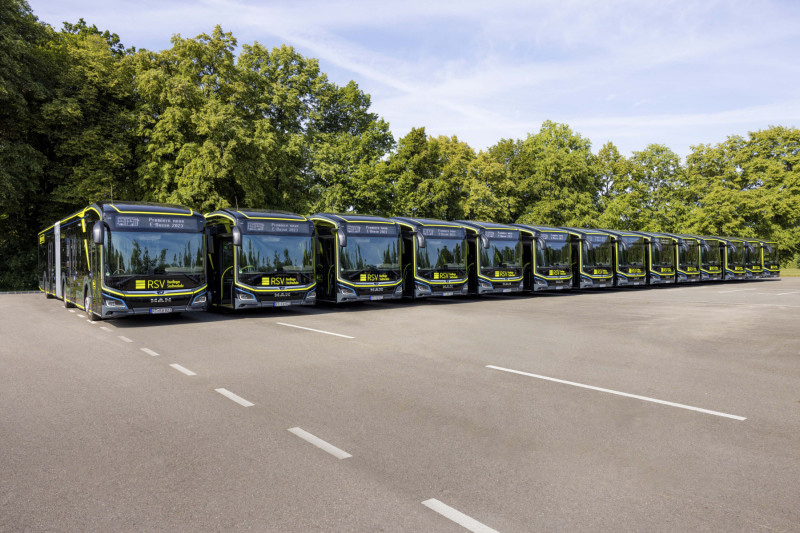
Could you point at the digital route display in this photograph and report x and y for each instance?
(156, 223)
(283, 227)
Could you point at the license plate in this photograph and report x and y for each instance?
(450, 293)
(160, 310)
(378, 297)
(507, 290)
(281, 304)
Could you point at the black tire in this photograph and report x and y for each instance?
(87, 306)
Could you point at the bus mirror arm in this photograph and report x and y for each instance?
(98, 232)
(540, 242)
(420, 240)
(484, 241)
(236, 233)
(624, 245)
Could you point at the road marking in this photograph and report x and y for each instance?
(316, 330)
(785, 293)
(148, 351)
(125, 339)
(457, 516)
(80, 315)
(180, 368)
(105, 328)
(231, 396)
(92, 322)
(635, 396)
(72, 311)
(319, 443)
(736, 290)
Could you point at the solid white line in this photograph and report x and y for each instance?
(319, 443)
(148, 351)
(785, 293)
(105, 328)
(736, 290)
(185, 370)
(125, 339)
(231, 396)
(316, 330)
(457, 516)
(636, 396)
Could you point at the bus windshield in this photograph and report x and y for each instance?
(633, 256)
(770, 254)
(442, 254)
(598, 256)
(130, 253)
(712, 256)
(276, 254)
(374, 254)
(690, 257)
(502, 253)
(554, 254)
(736, 257)
(665, 256)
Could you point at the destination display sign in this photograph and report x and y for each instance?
(367, 230)
(556, 237)
(501, 234)
(597, 239)
(284, 227)
(155, 222)
(446, 233)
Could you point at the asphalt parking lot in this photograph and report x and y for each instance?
(660, 409)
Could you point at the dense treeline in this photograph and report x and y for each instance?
(196, 124)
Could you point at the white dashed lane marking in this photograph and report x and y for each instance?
(231, 396)
(148, 351)
(319, 443)
(457, 516)
(182, 369)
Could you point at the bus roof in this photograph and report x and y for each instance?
(585, 231)
(535, 229)
(148, 208)
(421, 222)
(350, 218)
(239, 215)
(480, 226)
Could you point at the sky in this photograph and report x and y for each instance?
(677, 73)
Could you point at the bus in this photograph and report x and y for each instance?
(592, 258)
(770, 264)
(434, 257)
(121, 259)
(358, 258)
(661, 258)
(733, 258)
(548, 252)
(753, 262)
(629, 258)
(687, 262)
(494, 258)
(260, 258)
(710, 257)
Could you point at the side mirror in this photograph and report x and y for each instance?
(623, 245)
(342, 237)
(420, 240)
(657, 245)
(750, 247)
(684, 246)
(732, 248)
(237, 236)
(98, 232)
(768, 248)
(589, 244)
(540, 242)
(484, 241)
(706, 247)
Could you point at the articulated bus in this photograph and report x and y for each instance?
(549, 253)
(770, 266)
(358, 258)
(733, 257)
(592, 258)
(494, 258)
(260, 259)
(661, 258)
(115, 259)
(630, 258)
(434, 257)
(687, 257)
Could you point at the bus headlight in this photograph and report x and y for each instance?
(245, 296)
(113, 303)
(422, 288)
(347, 291)
(312, 295)
(200, 299)
(484, 284)
(398, 292)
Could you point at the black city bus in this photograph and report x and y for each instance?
(733, 258)
(549, 253)
(710, 257)
(687, 252)
(770, 265)
(358, 258)
(434, 257)
(260, 258)
(630, 258)
(592, 258)
(121, 259)
(753, 261)
(494, 258)
(661, 258)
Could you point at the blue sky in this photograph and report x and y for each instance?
(678, 73)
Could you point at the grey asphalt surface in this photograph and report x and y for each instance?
(97, 435)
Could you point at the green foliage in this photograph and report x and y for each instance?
(195, 124)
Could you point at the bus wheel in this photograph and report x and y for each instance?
(64, 295)
(87, 306)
